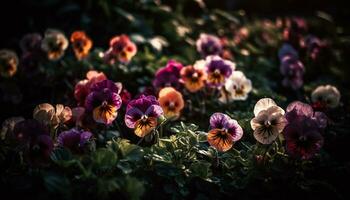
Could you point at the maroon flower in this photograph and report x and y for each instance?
(75, 140)
(303, 130)
(168, 76)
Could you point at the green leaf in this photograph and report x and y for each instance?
(57, 183)
(201, 169)
(104, 159)
(133, 188)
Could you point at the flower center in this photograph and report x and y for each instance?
(144, 118)
(171, 105)
(104, 103)
(217, 72)
(302, 138)
(267, 123)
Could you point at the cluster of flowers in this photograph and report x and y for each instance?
(300, 126)
(295, 38)
(53, 45)
(100, 99)
(214, 72)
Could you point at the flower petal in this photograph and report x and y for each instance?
(218, 120)
(220, 140)
(144, 127)
(263, 104)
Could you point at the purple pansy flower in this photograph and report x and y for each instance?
(104, 101)
(75, 140)
(314, 46)
(303, 130)
(208, 45)
(218, 70)
(142, 114)
(168, 76)
(39, 150)
(297, 110)
(224, 132)
(38, 143)
(287, 50)
(293, 70)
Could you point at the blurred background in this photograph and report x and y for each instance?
(18, 17)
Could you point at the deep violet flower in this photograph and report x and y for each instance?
(293, 71)
(37, 142)
(218, 70)
(39, 150)
(224, 132)
(208, 45)
(75, 140)
(142, 114)
(303, 130)
(104, 101)
(168, 76)
(313, 46)
(287, 50)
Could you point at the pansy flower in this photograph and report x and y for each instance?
(218, 70)
(82, 88)
(38, 143)
(194, 77)
(32, 53)
(104, 101)
(287, 50)
(168, 76)
(293, 71)
(208, 45)
(121, 49)
(325, 96)
(237, 87)
(8, 127)
(31, 42)
(303, 139)
(224, 132)
(81, 44)
(269, 121)
(142, 114)
(75, 140)
(54, 44)
(52, 116)
(171, 102)
(8, 63)
(298, 110)
(303, 132)
(314, 46)
(39, 150)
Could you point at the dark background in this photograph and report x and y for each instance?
(18, 17)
